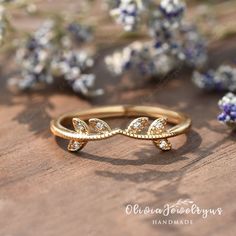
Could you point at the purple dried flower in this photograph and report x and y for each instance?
(80, 33)
(223, 79)
(173, 43)
(228, 106)
(127, 13)
(43, 58)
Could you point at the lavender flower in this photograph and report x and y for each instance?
(222, 79)
(166, 17)
(80, 33)
(172, 9)
(44, 57)
(142, 57)
(228, 106)
(173, 42)
(72, 66)
(34, 58)
(180, 39)
(193, 46)
(127, 13)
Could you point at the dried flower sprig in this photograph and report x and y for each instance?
(49, 53)
(142, 57)
(168, 15)
(173, 42)
(80, 33)
(71, 65)
(222, 79)
(127, 13)
(228, 106)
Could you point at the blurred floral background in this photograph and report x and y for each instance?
(136, 40)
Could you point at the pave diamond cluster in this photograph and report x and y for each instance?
(138, 128)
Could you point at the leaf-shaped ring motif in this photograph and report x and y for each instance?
(82, 128)
(137, 125)
(99, 127)
(158, 126)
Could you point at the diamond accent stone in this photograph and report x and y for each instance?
(137, 124)
(159, 125)
(99, 126)
(80, 127)
(74, 146)
(164, 145)
(77, 145)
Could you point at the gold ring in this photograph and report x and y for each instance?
(88, 128)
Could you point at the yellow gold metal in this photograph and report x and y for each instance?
(139, 128)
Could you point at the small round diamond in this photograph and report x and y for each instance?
(159, 125)
(137, 124)
(164, 145)
(80, 127)
(76, 145)
(99, 126)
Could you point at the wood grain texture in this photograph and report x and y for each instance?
(45, 190)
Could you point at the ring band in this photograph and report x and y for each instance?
(139, 128)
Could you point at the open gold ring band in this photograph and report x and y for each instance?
(88, 125)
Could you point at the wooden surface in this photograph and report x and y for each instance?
(45, 190)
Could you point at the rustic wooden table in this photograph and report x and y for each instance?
(45, 190)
